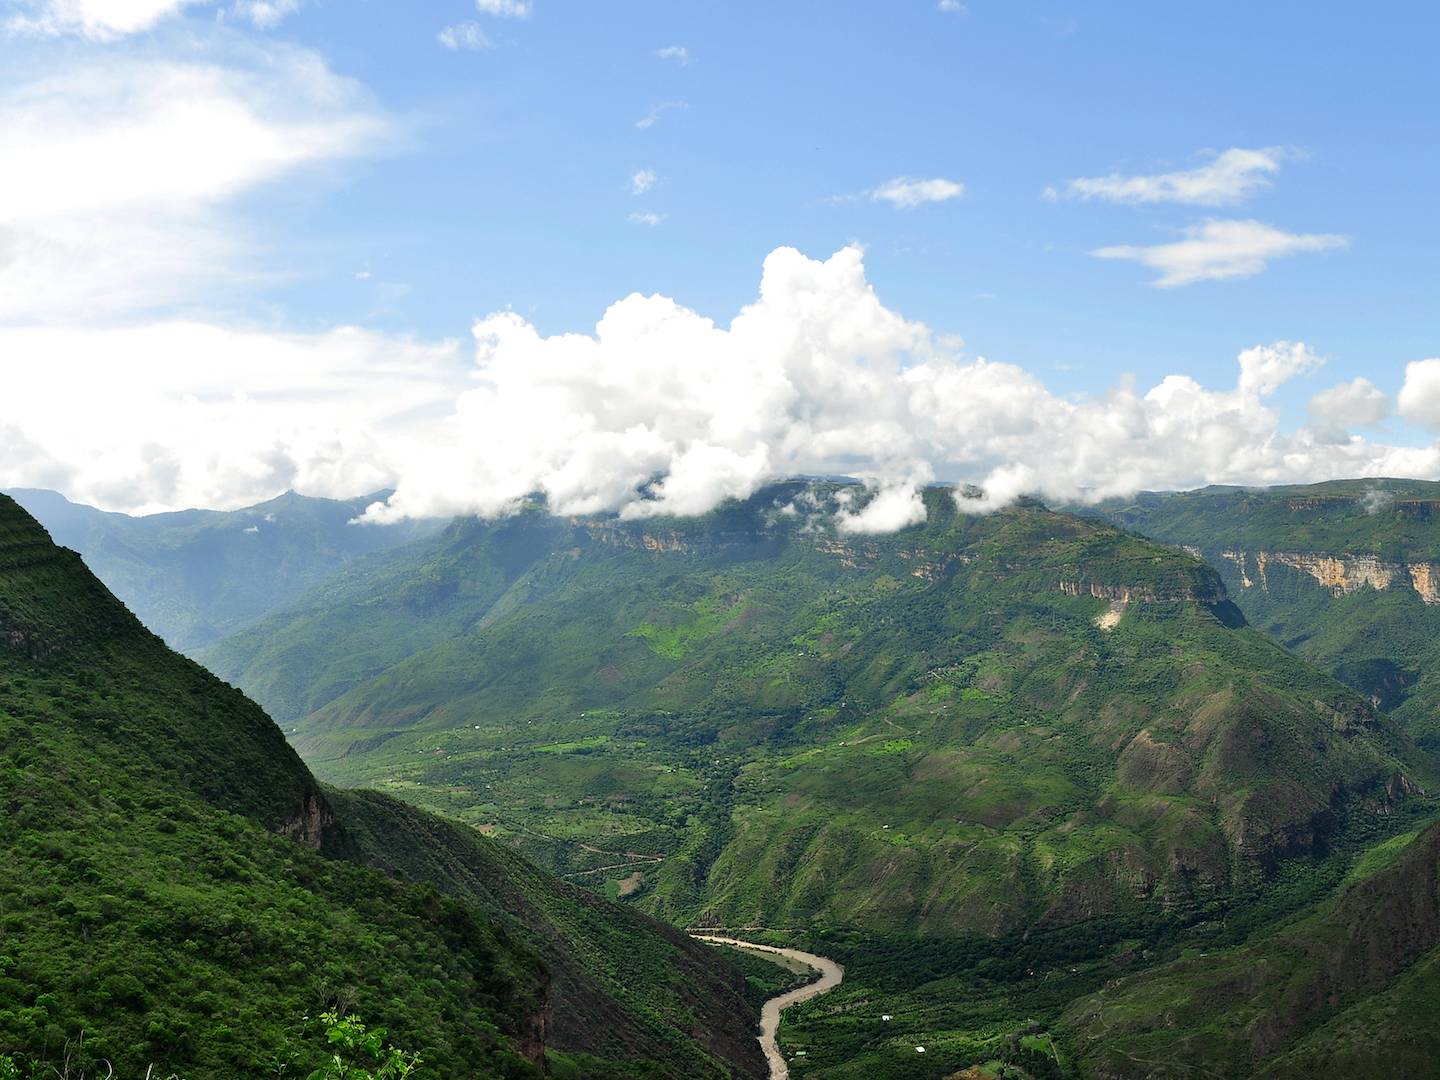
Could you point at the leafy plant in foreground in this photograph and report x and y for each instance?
(361, 1053)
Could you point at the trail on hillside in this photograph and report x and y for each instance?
(831, 975)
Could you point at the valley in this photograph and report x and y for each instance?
(183, 891)
(862, 744)
(829, 975)
(1010, 771)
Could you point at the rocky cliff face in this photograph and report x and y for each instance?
(310, 824)
(1128, 594)
(1341, 574)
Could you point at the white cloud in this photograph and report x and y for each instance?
(174, 142)
(1215, 250)
(265, 14)
(188, 414)
(1420, 395)
(1348, 405)
(906, 193)
(651, 118)
(892, 506)
(662, 410)
(647, 217)
(464, 37)
(505, 9)
(101, 20)
(642, 180)
(109, 20)
(1231, 177)
(1266, 368)
(679, 53)
(954, 6)
(658, 410)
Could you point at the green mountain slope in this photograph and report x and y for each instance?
(748, 719)
(372, 614)
(197, 575)
(1347, 574)
(1347, 989)
(177, 886)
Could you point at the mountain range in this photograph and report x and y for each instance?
(1065, 791)
(196, 576)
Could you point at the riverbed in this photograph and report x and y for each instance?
(831, 975)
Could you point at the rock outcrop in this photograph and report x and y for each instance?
(1341, 574)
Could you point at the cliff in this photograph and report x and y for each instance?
(1340, 573)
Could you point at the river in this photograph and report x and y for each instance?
(830, 975)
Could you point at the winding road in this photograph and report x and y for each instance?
(830, 975)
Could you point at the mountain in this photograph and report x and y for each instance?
(1349, 989)
(177, 889)
(751, 719)
(195, 576)
(1346, 574)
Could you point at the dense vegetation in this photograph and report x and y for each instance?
(1057, 808)
(987, 762)
(195, 576)
(1384, 642)
(176, 889)
(746, 721)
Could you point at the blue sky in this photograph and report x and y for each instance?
(501, 174)
(513, 188)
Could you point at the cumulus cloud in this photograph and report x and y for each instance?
(642, 180)
(661, 410)
(505, 9)
(174, 142)
(1217, 250)
(1347, 405)
(678, 53)
(906, 193)
(647, 217)
(954, 6)
(188, 414)
(1231, 177)
(465, 37)
(657, 410)
(1420, 394)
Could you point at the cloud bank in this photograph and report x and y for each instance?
(658, 410)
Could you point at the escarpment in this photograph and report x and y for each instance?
(1340, 573)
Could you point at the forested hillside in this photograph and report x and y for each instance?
(179, 888)
(1347, 574)
(752, 719)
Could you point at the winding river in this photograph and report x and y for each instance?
(830, 975)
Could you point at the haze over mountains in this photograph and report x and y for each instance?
(195, 576)
(991, 762)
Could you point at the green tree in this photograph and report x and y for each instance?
(358, 1052)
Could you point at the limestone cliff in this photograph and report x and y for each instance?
(1340, 573)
